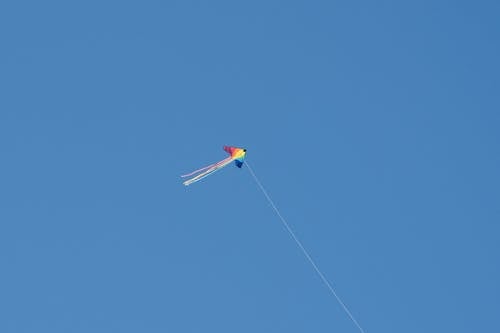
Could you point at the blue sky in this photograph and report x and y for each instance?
(374, 127)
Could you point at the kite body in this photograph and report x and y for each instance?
(236, 154)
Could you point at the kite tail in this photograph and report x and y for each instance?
(205, 168)
(208, 172)
(304, 251)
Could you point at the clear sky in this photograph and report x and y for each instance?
(374, 125)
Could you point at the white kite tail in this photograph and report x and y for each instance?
(208, 172)
(206, 168)
(304, 251)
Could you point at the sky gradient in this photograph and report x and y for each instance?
(373, 126)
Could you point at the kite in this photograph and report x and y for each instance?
(236, 154)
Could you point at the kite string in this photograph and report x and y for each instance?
(304, 251)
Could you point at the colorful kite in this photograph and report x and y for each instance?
(236, 154)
